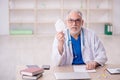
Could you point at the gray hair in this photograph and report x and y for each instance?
(77, 11)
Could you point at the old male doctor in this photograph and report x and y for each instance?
(77, 45)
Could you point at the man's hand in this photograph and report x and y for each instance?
(60, 37)
(91, 65)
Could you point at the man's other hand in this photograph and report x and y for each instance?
(91, 65)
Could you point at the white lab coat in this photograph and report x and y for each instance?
(92, 50)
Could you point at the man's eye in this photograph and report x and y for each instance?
(77, 20)
(71, 20)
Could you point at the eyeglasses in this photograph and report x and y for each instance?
(72, 21)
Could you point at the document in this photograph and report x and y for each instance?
(82, 68)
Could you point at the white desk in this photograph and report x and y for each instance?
(101, 73)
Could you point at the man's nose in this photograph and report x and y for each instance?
(75, 23)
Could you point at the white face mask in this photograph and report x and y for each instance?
(59, 26)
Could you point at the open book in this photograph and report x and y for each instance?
(113, 70)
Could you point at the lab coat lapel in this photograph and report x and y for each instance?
(69, 53)
(84, 47)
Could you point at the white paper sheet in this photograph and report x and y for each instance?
(82, 68)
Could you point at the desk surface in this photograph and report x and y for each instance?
(100, 74)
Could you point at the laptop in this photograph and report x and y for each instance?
(72, 75)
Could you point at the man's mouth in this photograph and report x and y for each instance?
(75, 28)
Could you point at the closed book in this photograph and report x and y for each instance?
(32, 77)
(32, 71)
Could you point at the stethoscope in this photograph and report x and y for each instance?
(69, 37)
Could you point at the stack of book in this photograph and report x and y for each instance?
(32, 73)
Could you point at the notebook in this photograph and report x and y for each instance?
(72, 75)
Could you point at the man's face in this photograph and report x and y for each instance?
(74, 22)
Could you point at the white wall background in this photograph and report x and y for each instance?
(4, 17)
(116, 16)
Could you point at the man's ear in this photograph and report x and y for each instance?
(82, 22)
